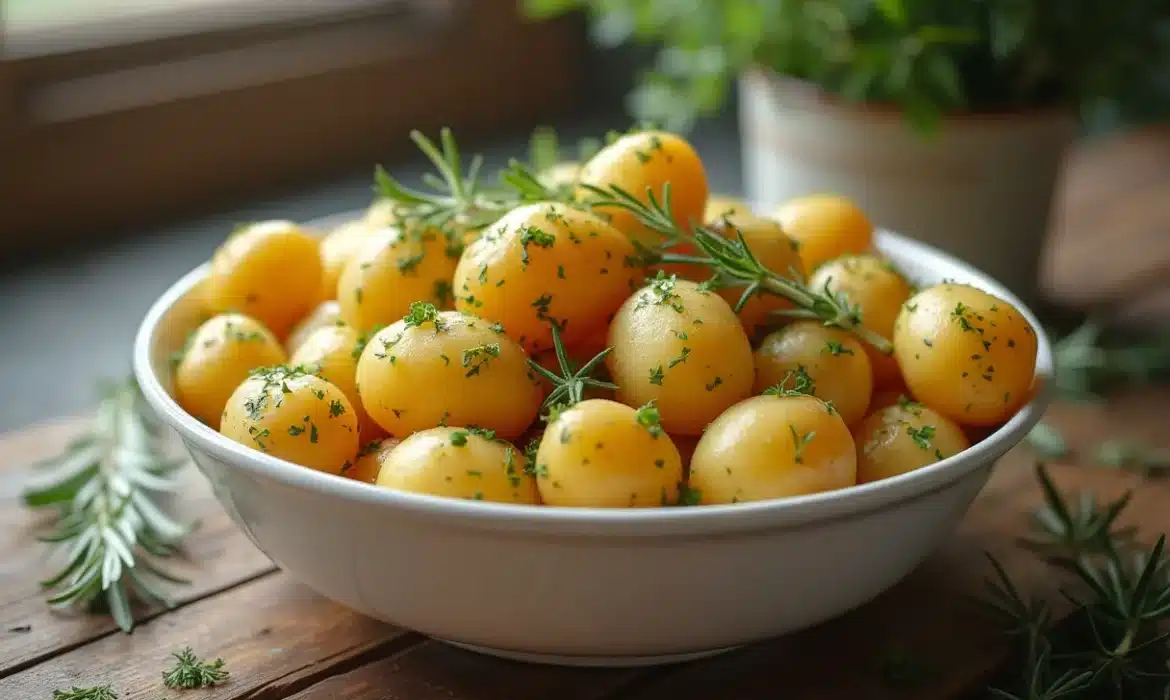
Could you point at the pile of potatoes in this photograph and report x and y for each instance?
(419, 360)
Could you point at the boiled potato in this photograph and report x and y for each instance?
(965, 353)
(459, 463)
(649, 159)
(720, 206)
(779, 253)
(332, 353)
(296, 416)
(683, 348)
(547, 263)
(326, 314)
(446, 368)
(828, 363)
(337, 248)
(392, 270)
(903, 437)
(604, 454)
(217, 357)
(270, 271)
(826, 227)
(873, 284)
(370, 460)
(773, 447)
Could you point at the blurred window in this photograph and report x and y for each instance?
(116, 112)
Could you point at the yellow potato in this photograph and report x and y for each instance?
(392, 270)
(370, 459)
(217, 357)
(965, 353)
(446, 368)
(779, 253)
(682, 348)
(295, 416)
(721, 205)
(459, 463)
(332, 353)
(604, 454)
(326, 314)
(773, 447)
(903, 437)
(826, 227)
(873, 284)
(270, 271)
(828, 363)
(337, 248)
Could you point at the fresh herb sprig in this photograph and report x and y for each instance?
(97, 692)
(733, 262)
(191, 672)
(1111, 645)
(105, 488)
(569, 386)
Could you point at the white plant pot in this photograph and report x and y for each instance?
(981, 188)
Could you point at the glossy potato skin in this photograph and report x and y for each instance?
(834, 359)
(826, 227)
(217, 357)
(463, 370)
(903, 437)
(270, 271)
(772, 247)
(380, 213)
(392, 270)
(965, 353)
(596, 454)
(369, 460)
(750, 453)
(295, 416)
(720, 206)
(330, 354)
(684, 349)
(337, 248)
(458, 463)
(872, 283)
(547, 262)
(649, 159)
(326, 314)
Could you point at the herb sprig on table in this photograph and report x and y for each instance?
(106, 489)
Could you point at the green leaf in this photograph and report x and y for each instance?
(941, 69)
(894, 11)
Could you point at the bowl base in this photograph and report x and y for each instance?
(591, 661)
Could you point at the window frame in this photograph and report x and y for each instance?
(95, 138)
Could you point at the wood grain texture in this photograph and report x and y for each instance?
(280, 640)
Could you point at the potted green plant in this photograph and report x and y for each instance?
(947, 120)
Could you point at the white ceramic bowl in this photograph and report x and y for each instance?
(581, 585)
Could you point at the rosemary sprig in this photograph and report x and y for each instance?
(570, 385)
(1111, 645)
(105, 488)
(733, 263)
(191, 672)
(97, 692)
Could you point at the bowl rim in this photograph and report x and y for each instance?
(638, 522)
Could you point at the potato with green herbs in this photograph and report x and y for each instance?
(604, 454)
(216, 358)
(393, 269)
(436, 368)
(459, 463)
(270, 271)
(811, 358)
(826, 227)
(370, 459)
(337, 248)
(966, 353)
(879, 290)
(332, 353)
(682, 347)
(773, 446)
(326, 314)
(776, 251)
(547, 263)
(299, 417)
(903, 437)
(721, 205)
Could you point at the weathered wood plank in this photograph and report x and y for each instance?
(218, 556)
(276, 636)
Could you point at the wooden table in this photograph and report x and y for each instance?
(280, 640)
